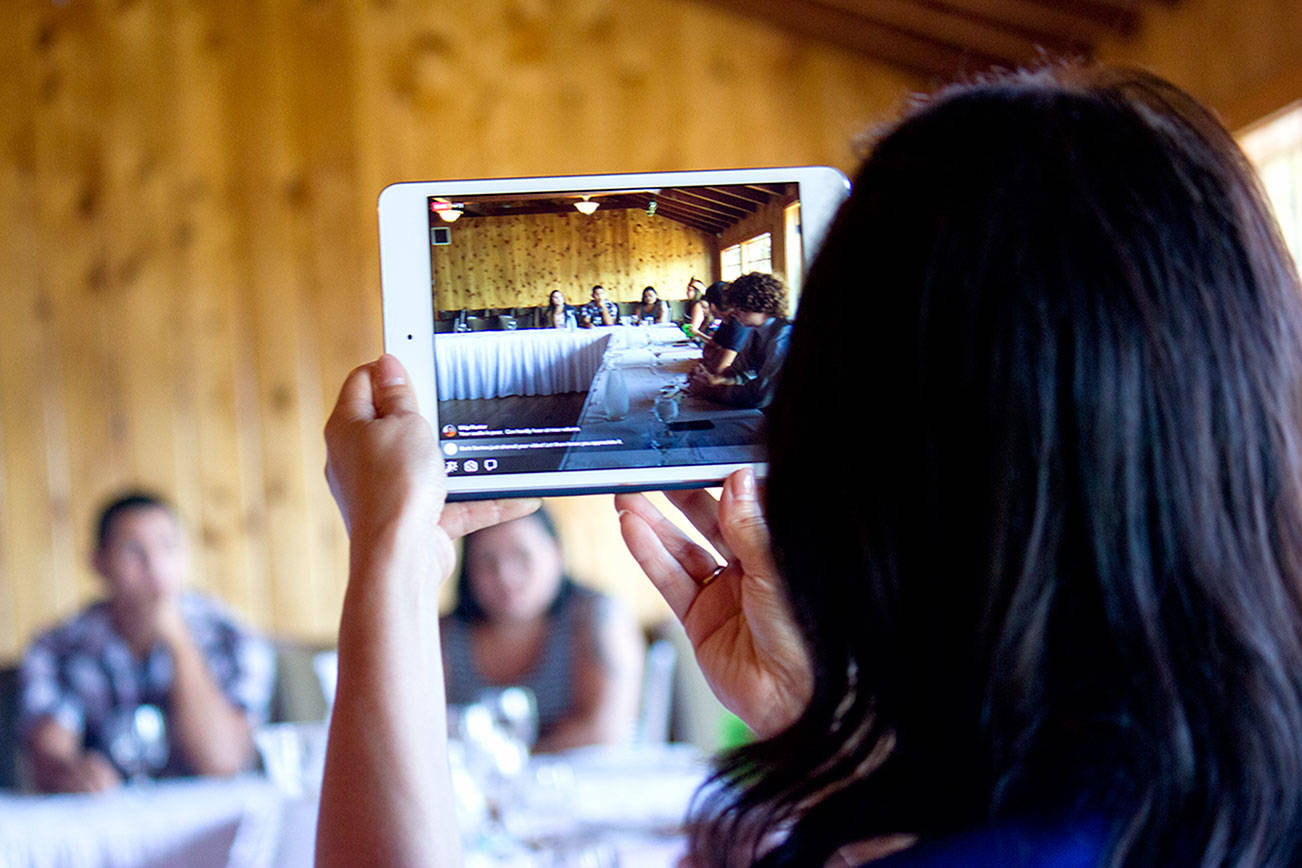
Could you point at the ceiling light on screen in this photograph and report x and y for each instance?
(586, 206)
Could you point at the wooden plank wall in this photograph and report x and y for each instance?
(519, 260)
(188, 263)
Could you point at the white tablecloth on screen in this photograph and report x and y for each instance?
(526, 362)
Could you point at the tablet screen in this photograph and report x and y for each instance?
(572, 330)
(599, 332)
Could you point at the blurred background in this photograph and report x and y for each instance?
(188, 246)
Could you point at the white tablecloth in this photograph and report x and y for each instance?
(525, 362)
(630, 800)
(192, 823)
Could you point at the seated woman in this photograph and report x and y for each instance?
(754, 324)
(1047, 610)
(696, 309)
(715, 310)
(519, 620)
(557, 314)
(652, 309)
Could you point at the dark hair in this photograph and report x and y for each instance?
(1067, 577)
(468, 609)
(119, 506)
(714, 293)
(758, 293)
(652, 290)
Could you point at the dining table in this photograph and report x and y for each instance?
(625, 802)
(639, 400)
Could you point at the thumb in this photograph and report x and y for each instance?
(390, 387)
(742, 524)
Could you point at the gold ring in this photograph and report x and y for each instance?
(712, 576)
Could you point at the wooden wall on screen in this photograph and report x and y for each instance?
(518, 260)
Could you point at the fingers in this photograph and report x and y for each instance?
(459, 519)
(742, 523)
(674, 563)
(664, 571)
(376, 389)
(702, 510)
(392, 392)
(355, 399)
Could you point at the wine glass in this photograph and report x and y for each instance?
(665, 409)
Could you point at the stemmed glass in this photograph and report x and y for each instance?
(665, 409)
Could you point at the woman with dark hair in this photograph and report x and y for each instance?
(696, 310)
(1047, 610)
(653, 308)
(557, 314)
(520, 621)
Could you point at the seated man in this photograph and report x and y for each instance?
(599, 311)
(758, 301)
(152, 680)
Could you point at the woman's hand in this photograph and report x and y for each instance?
(386, 796)
(736, 615)
(383, 465)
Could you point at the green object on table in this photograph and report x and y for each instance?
(732, 732)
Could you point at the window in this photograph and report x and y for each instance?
(753, 254)
(1275, 147)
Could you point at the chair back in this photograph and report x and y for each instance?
(10, 749)
(657, 693)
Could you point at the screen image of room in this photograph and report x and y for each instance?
(543, 386)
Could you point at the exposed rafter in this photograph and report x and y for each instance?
(946, 38)
(706, 209)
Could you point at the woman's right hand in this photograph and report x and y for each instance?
(736, 615)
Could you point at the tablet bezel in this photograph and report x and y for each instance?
(408, 304)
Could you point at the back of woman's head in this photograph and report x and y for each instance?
(1059, 569)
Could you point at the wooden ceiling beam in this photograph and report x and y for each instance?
(683, 198)
(1054, 25)
(940, 25)
(1121, 17)
(919, 55)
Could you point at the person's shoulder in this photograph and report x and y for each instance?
(93, 625)
(1074, 842)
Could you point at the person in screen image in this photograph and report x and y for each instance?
(743, 367)
(599, 311)
(557, 314)
(697, 309)
(727, 340)
(520, 621)
(1047, 611)
(152, 680)
(653, 308)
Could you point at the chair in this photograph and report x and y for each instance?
(526, 317)
(297, 694)
(653, 720)
(678, 309)
(480, 323)
(11, 777)
(444, 325)
(505, 322)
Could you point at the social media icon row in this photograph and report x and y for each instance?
(470, 465)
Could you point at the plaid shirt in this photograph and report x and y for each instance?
(591, 312)
(84, 676)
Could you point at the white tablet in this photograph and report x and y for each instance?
(547, 322)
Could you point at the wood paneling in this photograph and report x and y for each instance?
(519, 260)
(188, 265)
(1240, 58)
(189, 258)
